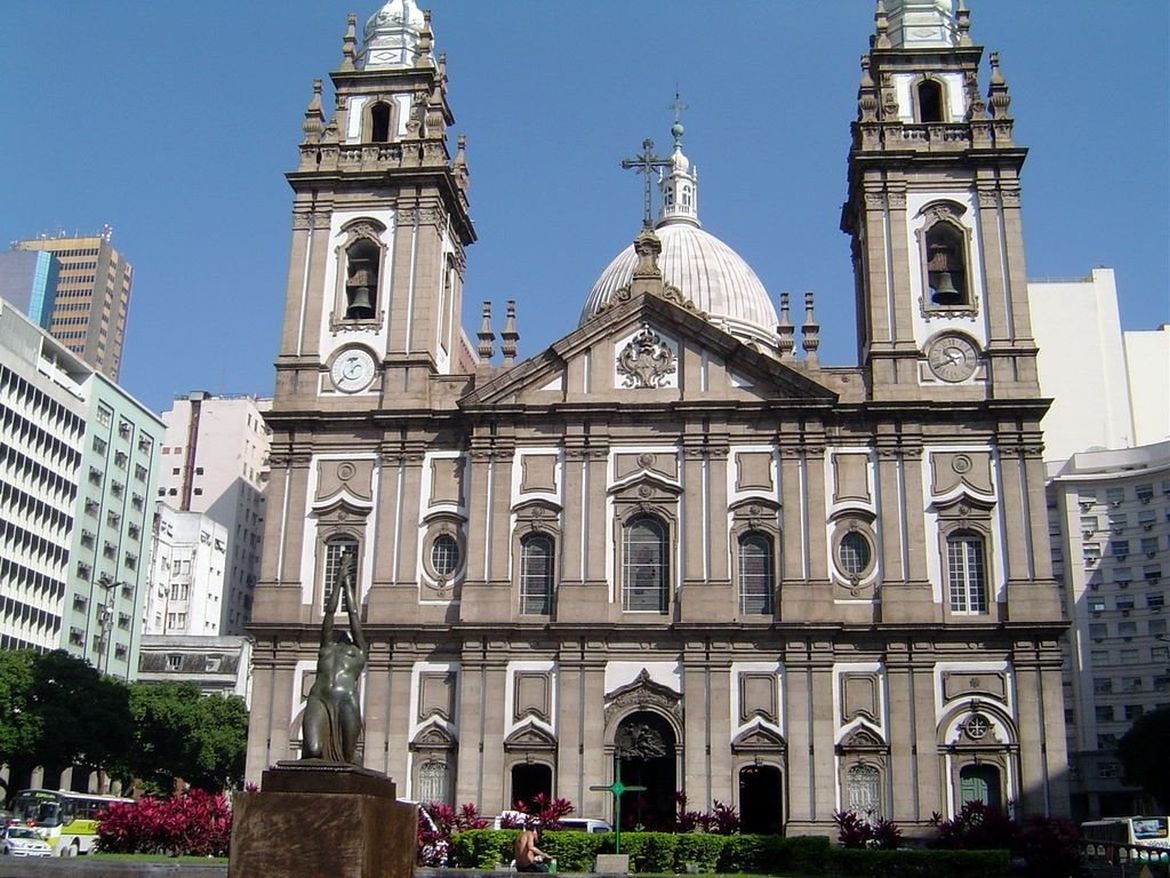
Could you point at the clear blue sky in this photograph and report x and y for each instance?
(175, 121)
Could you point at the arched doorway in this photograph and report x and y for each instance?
(760, 800)
(529, 779)
(980, 783)
(645, 748)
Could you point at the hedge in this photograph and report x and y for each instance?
(664, 852)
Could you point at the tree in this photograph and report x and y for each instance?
(180, 733)
(20, 725)
(1142, 751)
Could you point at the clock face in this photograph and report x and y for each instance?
(952, 358)
(352, 370)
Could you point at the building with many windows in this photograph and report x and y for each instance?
(217, 665)
(215, 462)
(187, 594)
(672, 544)
(91, 299)
(28, 280)
(79, 469)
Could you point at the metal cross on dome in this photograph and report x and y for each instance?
(645, 163)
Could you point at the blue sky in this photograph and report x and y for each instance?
(174, 122)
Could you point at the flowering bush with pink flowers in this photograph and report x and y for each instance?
(196, 823)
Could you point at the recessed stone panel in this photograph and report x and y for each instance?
(990, 684)
(859, 697)
(757, 696)
(355, 476)
(532, 695)
(851, 478)
(753, 471)
(538, 473)
(436, 695)
(446, 480)
(664, 464)
(969, 468)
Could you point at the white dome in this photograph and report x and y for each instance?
(707, 272)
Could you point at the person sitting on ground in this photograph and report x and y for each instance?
(529, 858)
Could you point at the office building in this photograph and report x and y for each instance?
(28, 280)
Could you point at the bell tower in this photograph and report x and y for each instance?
(380, 227)
(934, 214)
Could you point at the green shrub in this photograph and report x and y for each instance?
(482, 848)
(693, 847)
(649, 851)
(804, 853)
(574, 851)
(919, 864)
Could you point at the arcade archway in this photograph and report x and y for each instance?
(645, 748)
(761, 800)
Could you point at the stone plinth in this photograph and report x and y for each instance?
(612, 864)
(313, 818)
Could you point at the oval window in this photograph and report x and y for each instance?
(445, 555)
(854, 554)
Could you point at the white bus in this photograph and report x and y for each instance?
(66, 820)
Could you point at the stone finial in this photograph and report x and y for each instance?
(867, 100)
(811, 331)
(459, 163)
(314, 122)
(785, 330)
(443, 69)
(349, 43)
(426, 43)
(509, 337)
(963, 23)
(881, 27)
(648, 248)
(486, 348)
(998, 93)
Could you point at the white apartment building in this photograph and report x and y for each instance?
(215, 462)
(1108, 463)
(188, 594)
(42, 431)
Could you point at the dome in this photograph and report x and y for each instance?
(392, 36)
(706, 271)
(394, 15)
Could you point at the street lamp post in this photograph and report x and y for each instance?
(105, 620)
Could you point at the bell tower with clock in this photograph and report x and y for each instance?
(934, 215)
(380, 226)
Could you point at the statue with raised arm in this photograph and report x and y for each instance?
(333, 716)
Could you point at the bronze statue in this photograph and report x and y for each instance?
(333, 716)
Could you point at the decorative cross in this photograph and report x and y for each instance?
(645, 163)
(616, 789)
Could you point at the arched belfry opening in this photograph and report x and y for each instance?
(380, 116)
(930, 101)
(361, 283)
(644, 747)
(761, 807)
(946, 265)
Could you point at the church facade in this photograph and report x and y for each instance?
(672, 545)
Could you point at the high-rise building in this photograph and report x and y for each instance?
(92, 297)
(28, 280)
(78, 464)
(672, 543)
(215, 462)
(187, 594)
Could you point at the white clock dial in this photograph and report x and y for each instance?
(952, 358)
(352, 370)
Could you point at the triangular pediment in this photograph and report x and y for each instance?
(433, 737)
(651, 349)
(862, 738)
(759, 738)
(530, 737)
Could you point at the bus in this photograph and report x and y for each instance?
(1127, 839)
(66, 820)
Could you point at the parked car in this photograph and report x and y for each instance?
(584, 824)
(23, 841)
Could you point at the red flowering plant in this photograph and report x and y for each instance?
(540, 810)
(196, 823)
(437, 822)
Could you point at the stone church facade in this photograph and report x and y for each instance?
(671, 544)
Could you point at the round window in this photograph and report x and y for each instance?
(854, 554)
(445, 555)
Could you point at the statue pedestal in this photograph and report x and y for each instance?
(312, 818)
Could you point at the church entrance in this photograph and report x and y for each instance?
(760, 800)
(645, 748)
(528, 780)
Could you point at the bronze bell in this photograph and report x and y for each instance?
(945, 292)
(361, 306)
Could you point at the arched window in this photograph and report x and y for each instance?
(380, 123)
(755, 574)
(445, 555)
(930, 101)
(335, 547)
(362, 259)
(536, 575)
(863, 790)
(966, 573)
(644, 567)
(433, 783)
(946, 265)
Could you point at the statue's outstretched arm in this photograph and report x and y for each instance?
(349, 581)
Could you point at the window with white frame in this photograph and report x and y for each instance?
(966, 573)
(536, 575)
(433, 781)
(644, 566)
(335, 548)
(755, 574)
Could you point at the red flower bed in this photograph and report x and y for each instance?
(197, 823)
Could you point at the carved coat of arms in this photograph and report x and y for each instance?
(646, 360)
